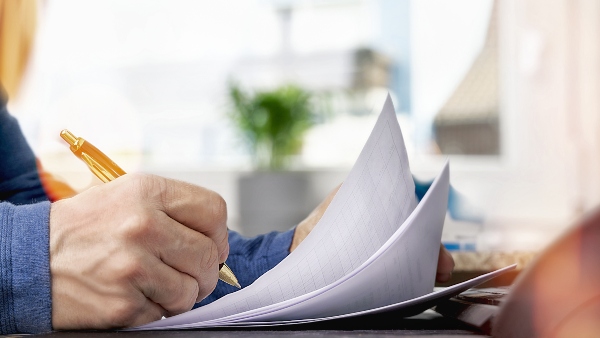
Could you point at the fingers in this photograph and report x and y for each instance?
(174, 291)
(198, 208)
(187, 251)
(445, 265)
(123, 312)
(149, 313)
(308, 224)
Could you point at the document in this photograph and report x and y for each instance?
(374, 249)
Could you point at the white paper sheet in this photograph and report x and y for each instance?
(373, 202)
(403, 309)
(403, 268)
(373, 248)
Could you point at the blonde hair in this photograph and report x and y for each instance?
(17, 30)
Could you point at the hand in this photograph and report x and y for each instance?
(445, 266)
(445, 260)
(133, 250)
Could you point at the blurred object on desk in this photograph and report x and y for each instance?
(471, 264)
(476, 307)
(490, 261)
(558, 295)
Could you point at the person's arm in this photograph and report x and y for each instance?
(250, 258)
(25, 301)
(122, 254)
(19, 179)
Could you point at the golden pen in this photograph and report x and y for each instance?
(107, 170)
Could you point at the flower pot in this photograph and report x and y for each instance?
(271, 201)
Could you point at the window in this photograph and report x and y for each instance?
(489, 84)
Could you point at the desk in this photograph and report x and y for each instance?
(427, 324)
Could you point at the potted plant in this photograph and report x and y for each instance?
(272, 124)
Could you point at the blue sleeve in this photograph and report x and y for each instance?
(459, 207)
(25, 300)
(250, 258)
(19, 179)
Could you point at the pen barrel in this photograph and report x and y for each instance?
(101, 165)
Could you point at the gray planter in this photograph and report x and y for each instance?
(271, 201)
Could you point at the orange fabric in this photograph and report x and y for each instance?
(54, 188)
(17, 31)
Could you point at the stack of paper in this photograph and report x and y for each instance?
(375, 249)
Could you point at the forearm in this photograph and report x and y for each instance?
(250, 258)
(25, 300)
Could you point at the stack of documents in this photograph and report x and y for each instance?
(375, 249)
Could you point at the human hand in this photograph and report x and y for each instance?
(445, 260)
(133, 250)
(445, 266)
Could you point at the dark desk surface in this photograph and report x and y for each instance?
(426, 324)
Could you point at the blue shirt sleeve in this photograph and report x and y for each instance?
(459, 207)
(249, 258)
(25, 300)
(19, 178)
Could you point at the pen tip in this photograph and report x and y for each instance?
(227, 276)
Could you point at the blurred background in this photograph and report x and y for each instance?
(507, 90)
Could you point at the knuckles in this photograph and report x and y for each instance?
(137, 227)
(146, 187)
(140, 225)
(129, 268)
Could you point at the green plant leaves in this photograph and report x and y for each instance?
(273, 122)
